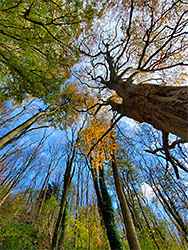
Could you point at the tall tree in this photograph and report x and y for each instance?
(38, 46)
(130, 228)
(168, 190)
(68, 175)
(23, 128)
(105, 206)
(143, 59)
(89, 136)
(27, 163)
(63, 113)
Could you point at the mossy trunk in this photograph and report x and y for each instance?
(107, 211)
(63, 224)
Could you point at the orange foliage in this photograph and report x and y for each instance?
(96, 128)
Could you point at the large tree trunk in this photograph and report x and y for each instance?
(164, 107)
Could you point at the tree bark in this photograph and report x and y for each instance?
(131, 204)
(4, 140)
(107, 211)
(59, 227)
(130, 229)
(25, 125)
(164, 107)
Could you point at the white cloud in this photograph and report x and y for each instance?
(129, 125)
(147, 191)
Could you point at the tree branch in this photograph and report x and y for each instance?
(107, 131)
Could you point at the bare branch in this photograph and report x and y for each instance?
(166, 42)
(128, 33)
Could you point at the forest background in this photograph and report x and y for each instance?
(94, 124)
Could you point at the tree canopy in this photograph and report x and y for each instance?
(143, 59)
(75, 171)
(39, 46)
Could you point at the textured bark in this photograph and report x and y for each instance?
(164, 107)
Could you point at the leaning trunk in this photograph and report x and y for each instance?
(24, 126)
(7, 138)
(164, 107)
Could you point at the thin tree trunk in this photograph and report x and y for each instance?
(170, 210)
(81, 189)
(17, 178)
(131, 232)
(87, 209)
(59, 223)
(25, 125)
(41, 191)
(174, 213)
(44, 194)
(64, 219)
(146, 220)
(4, 140)
(57, 231)
(77, 206)
(132, 208)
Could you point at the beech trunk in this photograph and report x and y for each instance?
(164, 107)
